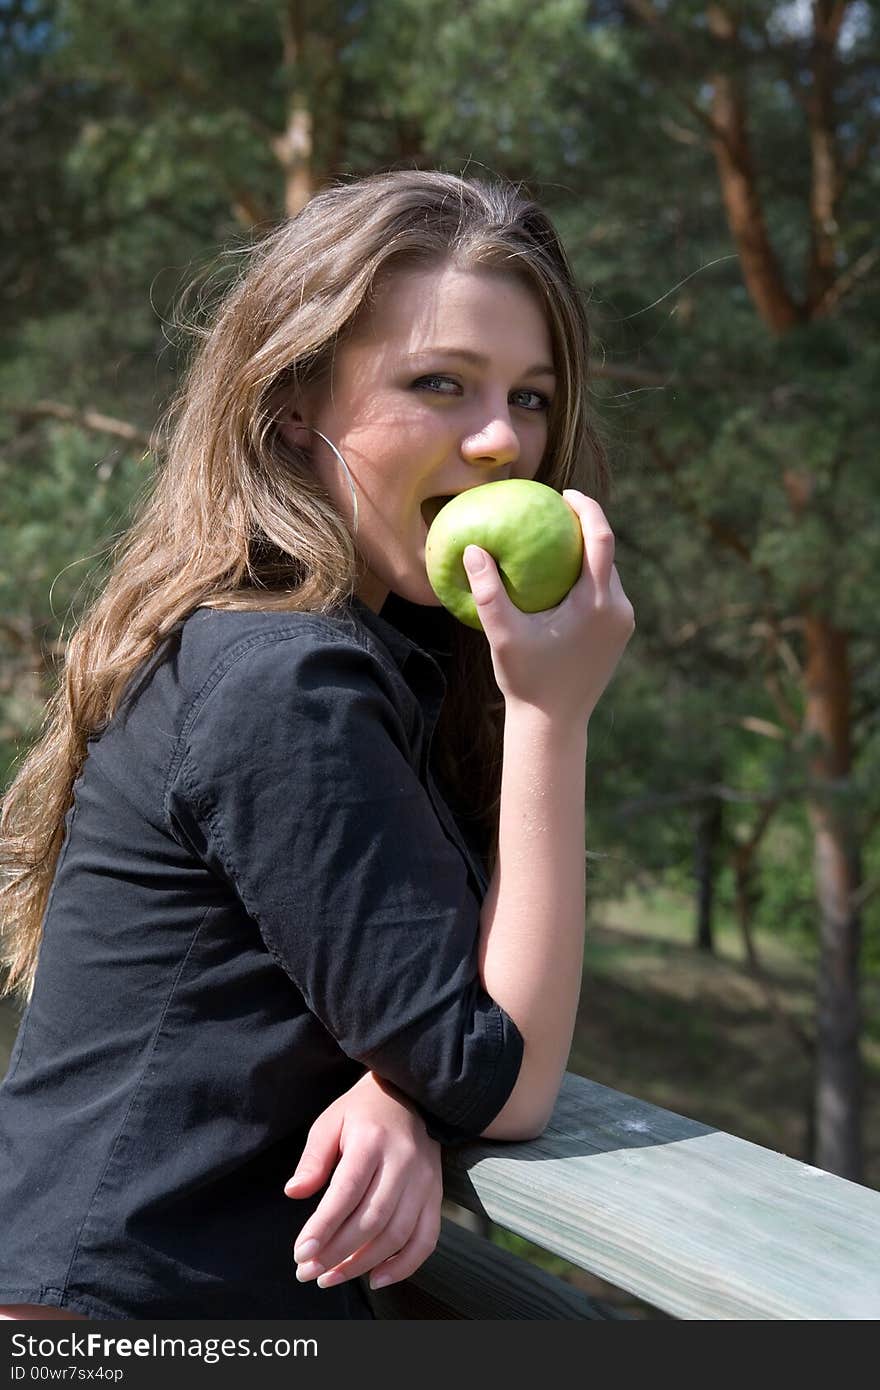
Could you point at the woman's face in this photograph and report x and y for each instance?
(444, 386)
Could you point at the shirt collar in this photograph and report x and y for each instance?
(397, 621)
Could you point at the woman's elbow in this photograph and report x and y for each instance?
(515, 1123)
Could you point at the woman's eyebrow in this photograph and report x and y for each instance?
(477, 358)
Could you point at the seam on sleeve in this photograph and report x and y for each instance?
(222, 668)
(481, 1082)
(473, 1097)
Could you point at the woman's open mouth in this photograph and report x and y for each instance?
(431, 506)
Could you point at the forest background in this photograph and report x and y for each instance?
(712, 169)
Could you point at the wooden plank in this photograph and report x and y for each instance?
(468, 1277)
(694, 1221)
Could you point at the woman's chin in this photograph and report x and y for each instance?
(413, 584)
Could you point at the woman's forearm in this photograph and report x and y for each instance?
(533, 917)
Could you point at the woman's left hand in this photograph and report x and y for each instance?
(381, 1211)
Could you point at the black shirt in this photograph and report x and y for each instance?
(261, 894)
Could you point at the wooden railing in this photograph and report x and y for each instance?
(694, 1222)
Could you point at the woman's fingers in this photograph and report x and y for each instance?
(350, 1181)
(421, 1244)
(372, 1217)
(405, 1243)
(598, 538)
(388, 1174)
(317, 1160)
(394, 1216)
(387, 1214)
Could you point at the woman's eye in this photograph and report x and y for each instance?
(542, 401)
(424, 380)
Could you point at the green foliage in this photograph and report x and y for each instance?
(139, 141)
(61, 518)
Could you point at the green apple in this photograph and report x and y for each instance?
(531, 532)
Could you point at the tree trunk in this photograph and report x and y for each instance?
(293, 148)
(836, 857)
(761, 270)
(837, 871)
(826, 183)
(745, 898)
(836, 874)
(708, 837)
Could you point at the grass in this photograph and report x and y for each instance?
(694, 1032)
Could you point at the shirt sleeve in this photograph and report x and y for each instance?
(297, 771)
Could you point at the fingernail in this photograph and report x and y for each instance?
(308, 1270)
(327, 1281)
(305, 1251)
(380, 1281)
(474, 559)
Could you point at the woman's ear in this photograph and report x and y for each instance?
(293, 430)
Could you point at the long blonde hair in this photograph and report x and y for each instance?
(236, 519)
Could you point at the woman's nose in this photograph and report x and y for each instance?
(496, 443)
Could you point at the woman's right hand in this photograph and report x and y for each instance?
(560, 660)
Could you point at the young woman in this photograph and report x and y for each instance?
(296, 870)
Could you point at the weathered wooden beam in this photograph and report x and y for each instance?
(696, 1222)
(469, 1277)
